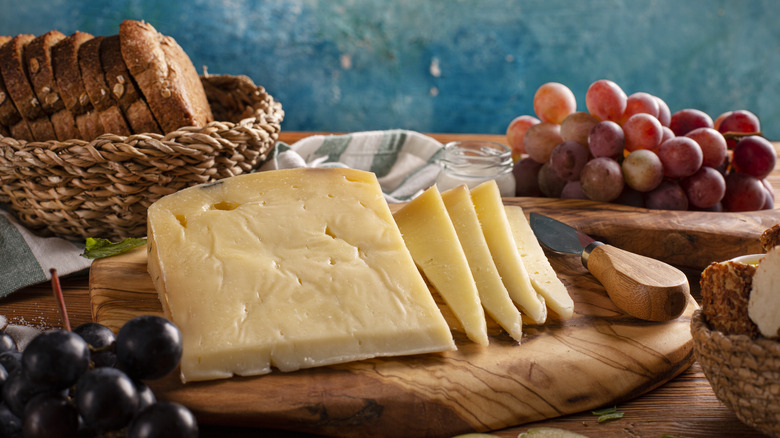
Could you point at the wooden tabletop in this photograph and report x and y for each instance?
(686, 406)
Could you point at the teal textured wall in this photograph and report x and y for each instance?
(455, 65)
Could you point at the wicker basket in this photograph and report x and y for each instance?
(77, 189)
(743, 372)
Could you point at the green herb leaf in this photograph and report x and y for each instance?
(100, 248)
(611, 416)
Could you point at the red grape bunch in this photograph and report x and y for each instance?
(631, 149)
(89, 382)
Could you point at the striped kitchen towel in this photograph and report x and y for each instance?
(405, 163)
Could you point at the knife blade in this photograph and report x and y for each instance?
(642, 287)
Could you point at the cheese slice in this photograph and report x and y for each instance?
(498, 234)
(431, 238)
(543, 278)
(492, 292)
(289, 269)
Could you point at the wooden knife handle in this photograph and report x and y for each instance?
(645, 288)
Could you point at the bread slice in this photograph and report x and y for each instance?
(123, 88)
(68, 77)
(725, 291)
(38, 59)
(19, 88)
(9, 116)
(97, 89)
(165, 75)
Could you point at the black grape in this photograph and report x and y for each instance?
(7, 343)
(57, 358)
(164, 419)
(148, 347)
(106, 398)
(50, 416)
(101, 341)
(10, 423)
(11, 360)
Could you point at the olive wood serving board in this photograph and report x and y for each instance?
(597, 358)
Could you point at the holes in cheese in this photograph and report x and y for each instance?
(248, 295)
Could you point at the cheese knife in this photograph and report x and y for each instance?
(642, 287)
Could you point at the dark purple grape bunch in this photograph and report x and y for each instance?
(89, 382)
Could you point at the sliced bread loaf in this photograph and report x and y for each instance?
(123, 88)
(8, 113)
(165, 76)
(19, 88)
(68, 77)
(38, 59)
(97, 89)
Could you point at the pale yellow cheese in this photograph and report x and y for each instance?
(431, 238)
(543, 277)
(498, 234)
(492, 292)
(289, 269)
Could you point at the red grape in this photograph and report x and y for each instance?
(550, 183)
(526, 172)
(540, 139)
(719, 120)
(664, 114)
(568, 159)
(577, 126)
(640, 102)
(643, 131)
(681, 157)
(755, 156)
(606, 139)
(642, 170)
(743, 193)
(553, 102)
(713, 146)
(602, 179)
(686, 120)
(667, 196)
(573, 190)
(606, 100)
(666, 134)
(515, 134)
(705, 188)
(741, 121)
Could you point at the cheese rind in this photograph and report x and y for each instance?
(290, 269)
(433, 242)
(492, 292)
(498, 234)
(543, 278)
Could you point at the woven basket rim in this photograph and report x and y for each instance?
(701, 327)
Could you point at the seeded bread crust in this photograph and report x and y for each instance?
(38, 59)
(68, 76)
(165, 75)
(8, 113)
(123, 88)
(97, 89)
(21, 91)
(770, 238)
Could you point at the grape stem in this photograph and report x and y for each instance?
(55, 284)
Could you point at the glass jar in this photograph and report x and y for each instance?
(473, 162)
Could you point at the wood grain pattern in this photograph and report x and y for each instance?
(599, 357)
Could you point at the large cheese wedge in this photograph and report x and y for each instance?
(498, 234)
(543, 277)
(492, 292)
(433, 242)
(290, 269)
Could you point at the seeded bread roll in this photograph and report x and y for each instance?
(764, 303)
(123, 88)
(21, 91)
(97, 89)
(38, 59)
(68, 77)
(165, 75)
(725, 291)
